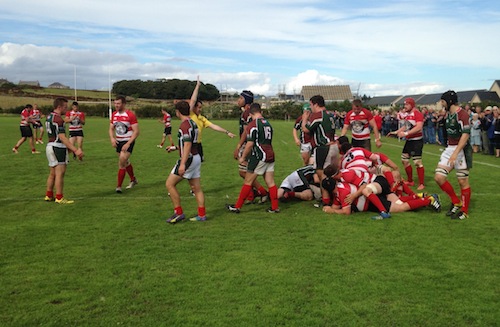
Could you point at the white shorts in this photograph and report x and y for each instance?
(56, 155)
(264, 167)
(460, 163)
(193, 167)
(305, 147)
(292, 181)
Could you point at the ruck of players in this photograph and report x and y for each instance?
(341, 173)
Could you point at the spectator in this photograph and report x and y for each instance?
(475, 133)
(486, 119)
(491, 130)
(497, 132)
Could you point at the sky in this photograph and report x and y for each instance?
(379, 47)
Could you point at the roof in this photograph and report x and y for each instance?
(329, 92)
(382, 100)
(466, 96)
(488, 96)
(429, 99)
(415, 97)
(32, 83)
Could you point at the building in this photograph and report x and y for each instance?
(331, 93)
(57, 85)
(29, 83)
(383, 102)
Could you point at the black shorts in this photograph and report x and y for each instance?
(122, 143)
(386, 203)
(37, 125)
(76, 133)
(26, 131)
(367, 144)
(167, 131)
(382, 181)
(414, 147)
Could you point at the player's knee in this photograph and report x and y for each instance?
(405, 157)
(418, 162)
(440, 175)
(462, 173)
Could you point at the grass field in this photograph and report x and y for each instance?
(111, 259)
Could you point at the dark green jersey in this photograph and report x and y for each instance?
(261, 133)
(456, 125)
(322, 127)
(55, 126)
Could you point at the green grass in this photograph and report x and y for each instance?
(110, 259)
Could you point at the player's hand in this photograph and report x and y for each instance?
(114, 143)
(79, 154)
(378, 143)
(297, 143)
(242, 161)
(349, 199)
(236, 153)
(231, 135)
(452, 160)
(182, 169)
(328, 209)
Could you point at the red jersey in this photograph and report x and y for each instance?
(76, 123)
(25, 117)
(345, 189)
(357, 158)
(122, 123)
(356, 177)
(359, 123)
(36, 114)
(409, 120)
(167, 119)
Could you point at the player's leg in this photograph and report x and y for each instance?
(170, 184)
(273, 190)
(49, 193)
(195, 185)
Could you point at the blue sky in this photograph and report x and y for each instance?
(381, 47)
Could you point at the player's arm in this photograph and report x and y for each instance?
(295, 137)
(246, 152)
(186, 150)
(344, 129)
(373, 124)
(82, 118)
(242, 140)
(194, 96)
(338, 209)
(111, 132)
(135, 133)
(77, 151)
(305, 118)
(220, 129)
(414, 130)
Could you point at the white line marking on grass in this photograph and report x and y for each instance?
(438, 155)
(284, 142)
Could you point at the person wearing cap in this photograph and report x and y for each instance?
(303, 139)
(244, 101)
(76, 120)
(486, 119)
(359, 120)
(411, 129)
(457, 155)
(491, 130)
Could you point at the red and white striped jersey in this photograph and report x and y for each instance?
(345, 189)
(359, 123)
(409, 120)
(76, 122)
(122, 123)
(25, 116)
(167, 119)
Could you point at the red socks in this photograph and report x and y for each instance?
(420, 173)
(273, 194)
(448, 189)
(466, 193)
(130, 172)
(121, 176)
(245, 190)
(373, 198)
(409, 173)
(201, 212)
